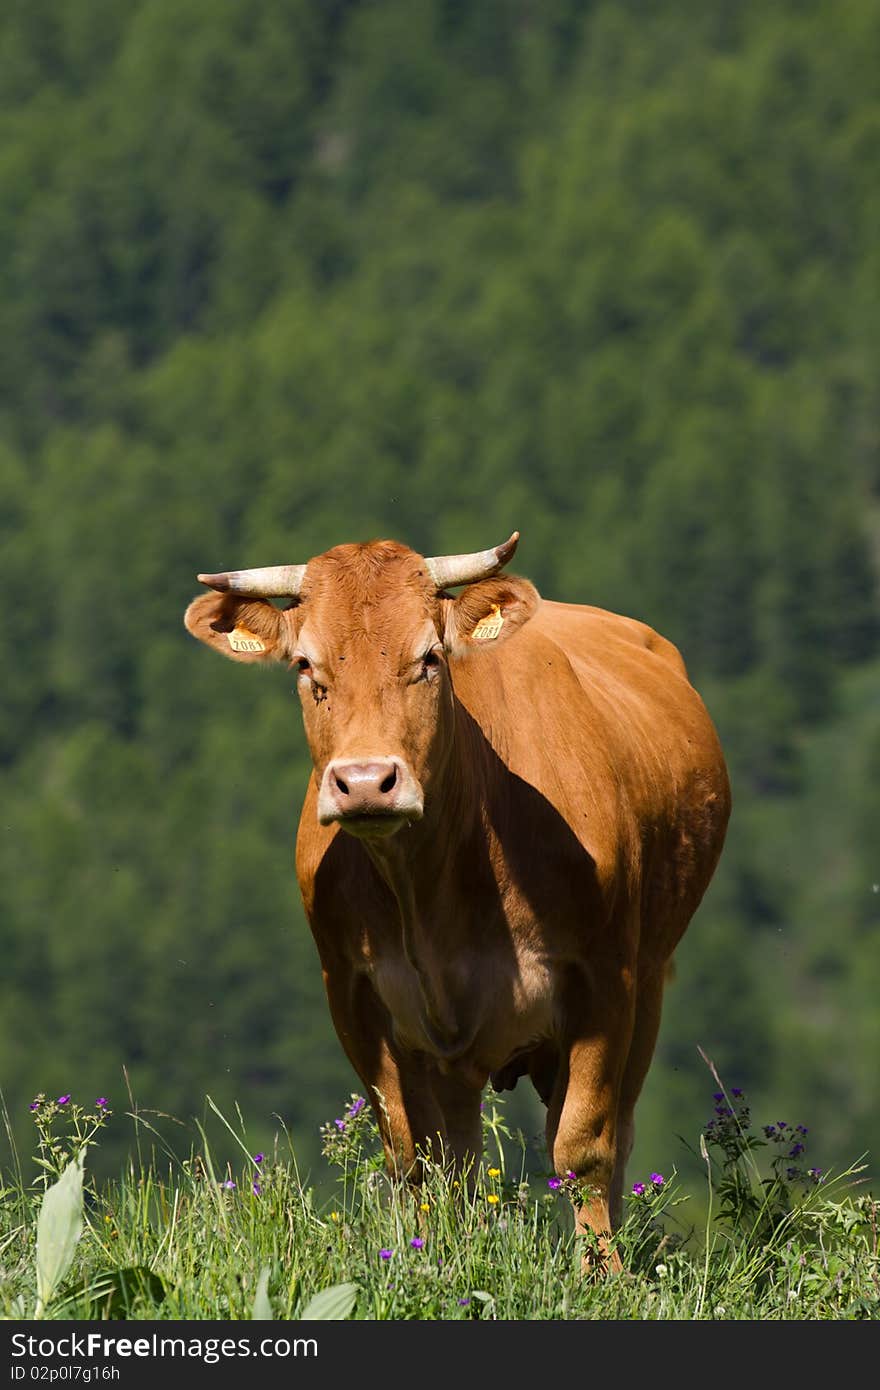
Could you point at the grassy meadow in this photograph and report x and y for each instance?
(768, 1236)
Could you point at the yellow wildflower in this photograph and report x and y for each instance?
(492, 1197)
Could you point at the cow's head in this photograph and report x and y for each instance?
(369, 630)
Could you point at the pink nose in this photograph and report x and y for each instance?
(365, 789)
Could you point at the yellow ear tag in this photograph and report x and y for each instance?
(488, 628)
(241, 640)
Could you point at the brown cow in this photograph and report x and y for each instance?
(533, 800)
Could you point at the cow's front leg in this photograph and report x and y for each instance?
(398, 1083)
(583, 1115)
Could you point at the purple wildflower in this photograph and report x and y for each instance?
(717, 1095)
(417, 1243)
(229, 1183)
(770, 1131)
(802, 1129)
(815, 1173)
(385, 1254)
(35, 1105)
(638, 1189)
(554, 1183)
(256, 1189)
(795, 1150)
(340, 1125)
(782, 1124)
(463, 1302)
(736, 1091)
(356, 1107)
(101, 1102)
(657, 1179)
(258, 1158)
(572, 1177)
(63, 1100)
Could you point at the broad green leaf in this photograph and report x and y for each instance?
(113, 1291)
(262, 1309)
(59, 1226)
(333, 1304)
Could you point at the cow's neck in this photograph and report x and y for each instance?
(428, 866)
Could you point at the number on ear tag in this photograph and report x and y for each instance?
(488, 628)
(241, 640)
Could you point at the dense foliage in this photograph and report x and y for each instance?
(771, 1241)
(277, 276)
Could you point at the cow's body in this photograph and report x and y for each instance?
(574, 802)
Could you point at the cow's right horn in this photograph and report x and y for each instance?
(275, 581)
(446, 570)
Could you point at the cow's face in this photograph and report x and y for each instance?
(369, 638)
(374, 685)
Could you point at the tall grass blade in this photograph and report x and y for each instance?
(704, 1153)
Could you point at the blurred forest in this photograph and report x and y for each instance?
(275, 276)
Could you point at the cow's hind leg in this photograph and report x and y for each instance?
(459, 1104)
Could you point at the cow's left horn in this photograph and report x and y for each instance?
(446, 570)
(275, 581)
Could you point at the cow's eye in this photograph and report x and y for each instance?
(430, 664)
(303, 666)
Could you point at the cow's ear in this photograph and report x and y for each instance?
(244, 629)
(487, 613)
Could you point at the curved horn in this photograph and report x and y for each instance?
(446, 570)
(276, 581)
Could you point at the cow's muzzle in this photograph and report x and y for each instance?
(374, 796)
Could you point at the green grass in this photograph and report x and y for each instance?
(181, 1241)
